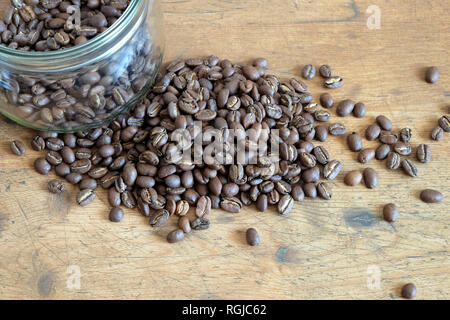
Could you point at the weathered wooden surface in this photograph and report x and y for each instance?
(322, 249)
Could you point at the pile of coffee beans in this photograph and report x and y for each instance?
(90, 95)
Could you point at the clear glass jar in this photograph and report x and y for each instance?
(87, 85)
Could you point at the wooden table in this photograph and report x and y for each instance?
(335, 249)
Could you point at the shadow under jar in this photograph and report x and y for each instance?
(87, 85)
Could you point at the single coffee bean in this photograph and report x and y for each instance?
(324, 190)
(262, 202)
(409, 291)
(232, 204)
(184, 224)
(310, 190)
(444, 123)
(73, 178)
(334, 82)
(373, 132)
(390, 212)
(354, 141)
(115, 214)
(85, 197)
(325, 71)
(345, 107)
(437, 133)
(200, 224)
(182, 208)
(88, 183)
(409, 168)
(297, 193)
(432, 75)
(405, 135)
(336, 129)
(366, 155)
(384, 122)
(309, 72)
(285, 204)
(53, 157)
(252, 237)
(388, 137)
(321, 133)
(353, 178)
(393, 161)
(332, 169)
(359, 111)
(38, 143)
(114, 197)
(431, 196)
(382, 151)
(55, 186)
(326, 100)
(370, 178)
(321, 154)
(203, 208)
(175, 236)
(159, 218)
(81, 166)
(17, 148)
(423, 153)
(403, 148)
(42, 166)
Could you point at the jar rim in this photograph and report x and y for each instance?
(75, 51)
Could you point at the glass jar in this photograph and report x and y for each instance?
(86, 85)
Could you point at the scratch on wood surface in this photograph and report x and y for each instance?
(355, 17)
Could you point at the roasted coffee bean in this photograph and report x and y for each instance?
(382, 151)
(431, 196)
(325, 71)
(297, 193)
(366, 155)
(203, 208)
(444, 123)
(437, 133)
(232, 204)
(373, 132)
(175, 236)
(311, 175)
(114, 197)
(262, 202)
(81, 166)
(252, 237)
(56, 186)
(310, 190)
(423, 153)
(307, 159)
(68, 155)
(337, 129)
(17, 147)
(324, 190)
(321, 133)
(390, 212)
(393, 161)
(370, 178)
(353, 178)
(73, 178)
(359, 111)
(128, 199)
(326, 100)
(345, 107)
(88, 183)
(354, 141)
(409, 290)
(309, 72)
(85, 197)
(38, 143)
(332, 169)
(285, 204)
(182, 208)
(384, 122)
(409, 168)
(54, 158)
(405, 135)
(115, 214)
(42, 166)
(388, 137)
(402, 148)
(334, 82)
(159, 218)
(432, 75)
(200, 224)
(184, 224)
(321, 154)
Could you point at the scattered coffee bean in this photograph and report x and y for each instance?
(324, 190)
(55, 186)
(390, 212)
(366, 155)
(252, 237)
(285, 205)
(382, 151)
(393, 161)
(370, 178)
(184, 224)
(42, 166)
(159, 218)
(345, 107)
(354, 141)
(310, 190)
(373, 132)
(423, 153)
(115, 214)
(359, 111)
(388, 137)
(437, 133)
(325, 71)
(85, 197)
(353, 178)
(334, 82)
(17, 148)
(332, 169)
(200, 224)
(409, 291)
(402, 148)
(336, 129)
(309, 72)
(432, 75)
(409, 168)
(444, 123)
(431, 196)
(384, 122)
(326, 100)
(175, 236)
(405, 135)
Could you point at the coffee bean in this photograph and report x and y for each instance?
(431, 196)
(85, 197)
(393, 161)
(81, 166)
(309, 72)
(326, 100)
(423, 153)
(373, 132)
(262, 202)
(353, 178)
(159, 218)
(366, 155)
(42, 166)
(175, 236)
(432, 75)
(384, 122)
(388, 137)
(370, 178)
(321, 133)
(359, 111)
(182, 208)
(184, 224)
(252, 237)
(38, 143)
(402, 148)
(73, 178)
(203, 207)
(55, 186)
(334, 82)
(310, 190)
(88, 183)
(382, 151)
(325, 71)
(409, 167)
(345, 107)
(115, 214)
(321, 154)
(324, 190)
(437, 133)
(200, 224)
(444, 123)
(233, 205)
(405, 135)
(297, 193)
(337, 129)
(354, 141)
(332, 169)
(409, 291)
(17, 148)
(285, 204)
(390, 212)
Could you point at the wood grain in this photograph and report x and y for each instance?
(322, 250)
